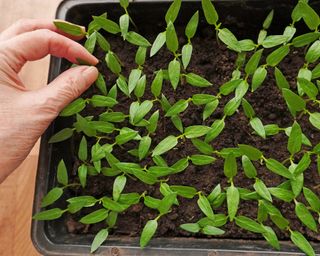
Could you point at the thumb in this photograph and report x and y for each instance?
(67, 87)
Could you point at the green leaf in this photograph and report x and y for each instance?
(145, 177)
(233, 199)
(113, 63)
(147, 233)
(171, 38)
(274, 40)
(133, 79)
(253, 62)
(190, 227)
(268, 20)
(201, 99)
(231, 107)
(156, 84)
(313, 52)
(295, 139)
(205, 206)
(98, 240)
(212, 231)
(74, 107)
(209, 109)
(52, 196)
(106, 24)
(271, 129)
(271, 237)
(241, 90)
(82, 174)
(246, 45)
(278, 168)
(248, 167)
(295, 102)
(262, 190)
(305, 216)
(229, 86)
(129, 199)
(226, 36)
(202, 146)
(186, 55)
(118, 186)
(101, 126)
(184, 191)
(153, 122)
(192, 25)
(282, 194)
(167, 202)
(314, 119)
(257, 125)
(209, 12)
(102, 101)
(62, 135)
(103, 43)
(125, 137)
(101, 84)
(230, 166)
(91, 42)
(124, 3)
(216, 129)
(316, 72)
(113, 205)
(51, 214)
(180, 165)
(69, 28)
(202, 159)
(173, 11)
(144, 147)
(247, 108)
(280, 79)
(299, 240)
(124, 24)
(305, 39)
(312, 199)
(197, 80)
(309, 16)
(250, 151)
(297, 184)
(94, 217)
(258, 77)
(158, 43)
(62, 173)
(249, 224)
(274, 58)
(174, 73)
(308, 87)
(136, 39)
(214, 193)
(196, 131)
(140, 57)
(177, 108)
(261, 36)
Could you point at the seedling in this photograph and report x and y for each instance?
(136, 131)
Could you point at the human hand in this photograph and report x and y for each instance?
(25, 114)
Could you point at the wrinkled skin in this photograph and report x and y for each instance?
(25, 114)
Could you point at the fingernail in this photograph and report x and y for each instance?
(90, 70)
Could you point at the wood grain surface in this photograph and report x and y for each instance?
(16, 192)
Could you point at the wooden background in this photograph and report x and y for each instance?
(16, 192)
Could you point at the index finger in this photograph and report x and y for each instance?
(27, 25)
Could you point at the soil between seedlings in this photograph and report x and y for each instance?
(214, 62)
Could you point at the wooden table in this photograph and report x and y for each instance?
(16, 192)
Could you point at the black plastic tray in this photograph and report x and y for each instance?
(51, 238)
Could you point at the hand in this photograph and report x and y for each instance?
(25, 114)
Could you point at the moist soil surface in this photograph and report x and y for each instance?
(215, 62)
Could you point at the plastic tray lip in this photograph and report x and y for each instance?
(159, 245)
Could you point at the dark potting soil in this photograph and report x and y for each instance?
(213, 61)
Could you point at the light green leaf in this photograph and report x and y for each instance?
(137, 39)
(171, 38)
(174, 73)
(258, 77)
(209, 12)
(262, 190)
(299, 240)
(202, 159)
(248, 167)
(192, 25)
(98, 240)
(165, 145)
(274, 58)
(196, 131)
(173, 11)
(186, 55)
(233, 199)
(226, 36)
(177, 108)
(257, 125)
(51, 214)
(62, 173)
(52, 196)
(314, 119)
(280, 79)
(205, 206)
(147, 233)
(62, 135)
(305, 216)
(70, 28)
(158, 43)
(253, 62)
(144, 147)
(82, 174)
(156, 84)
(295, 139)
(191, 227)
